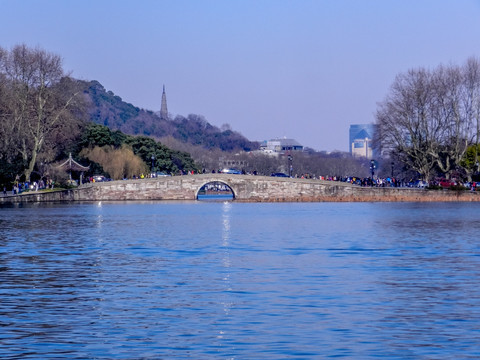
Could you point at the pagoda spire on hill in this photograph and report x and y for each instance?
(163, 108)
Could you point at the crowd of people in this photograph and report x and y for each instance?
(19, 187)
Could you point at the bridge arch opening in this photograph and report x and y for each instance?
(215, 191)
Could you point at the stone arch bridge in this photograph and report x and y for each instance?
(247, 188)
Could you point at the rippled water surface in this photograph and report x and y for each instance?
(196, 280)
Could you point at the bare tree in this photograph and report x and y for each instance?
(471, 105)
(429, 118)
(454, 130)
(406, 129)
(38, 102)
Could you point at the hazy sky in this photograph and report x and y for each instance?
(303, 69)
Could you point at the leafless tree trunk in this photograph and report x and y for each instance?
(38, 101)
(429, 118)
(404, 121)
(455, 130)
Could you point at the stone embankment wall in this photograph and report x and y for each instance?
(40, 196)
(245, 188)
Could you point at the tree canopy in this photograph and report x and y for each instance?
(154, 155)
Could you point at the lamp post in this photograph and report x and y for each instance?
(392, 163)
(290, 166)
(153, 162)
(372, 168)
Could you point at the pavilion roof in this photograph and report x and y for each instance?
(71, 164)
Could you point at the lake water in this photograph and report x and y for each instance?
(227, 280)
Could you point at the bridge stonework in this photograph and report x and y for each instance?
(246, 188)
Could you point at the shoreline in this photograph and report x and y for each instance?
(355, 194)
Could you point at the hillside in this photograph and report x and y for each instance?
(106, 108)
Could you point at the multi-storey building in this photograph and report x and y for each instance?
(361, 136)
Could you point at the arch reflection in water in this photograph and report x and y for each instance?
(215, 191)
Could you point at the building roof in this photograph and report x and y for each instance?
(363, 134)
(285, 142)
(71, 164)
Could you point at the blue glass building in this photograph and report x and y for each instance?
(361, 136)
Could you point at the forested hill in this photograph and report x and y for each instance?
(106, 108)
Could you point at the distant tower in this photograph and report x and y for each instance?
(163, 109)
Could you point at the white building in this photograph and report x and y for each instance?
(362, 148)
(281, 146)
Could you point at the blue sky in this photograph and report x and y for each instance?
(303, 69)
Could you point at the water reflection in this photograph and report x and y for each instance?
(227, 300)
